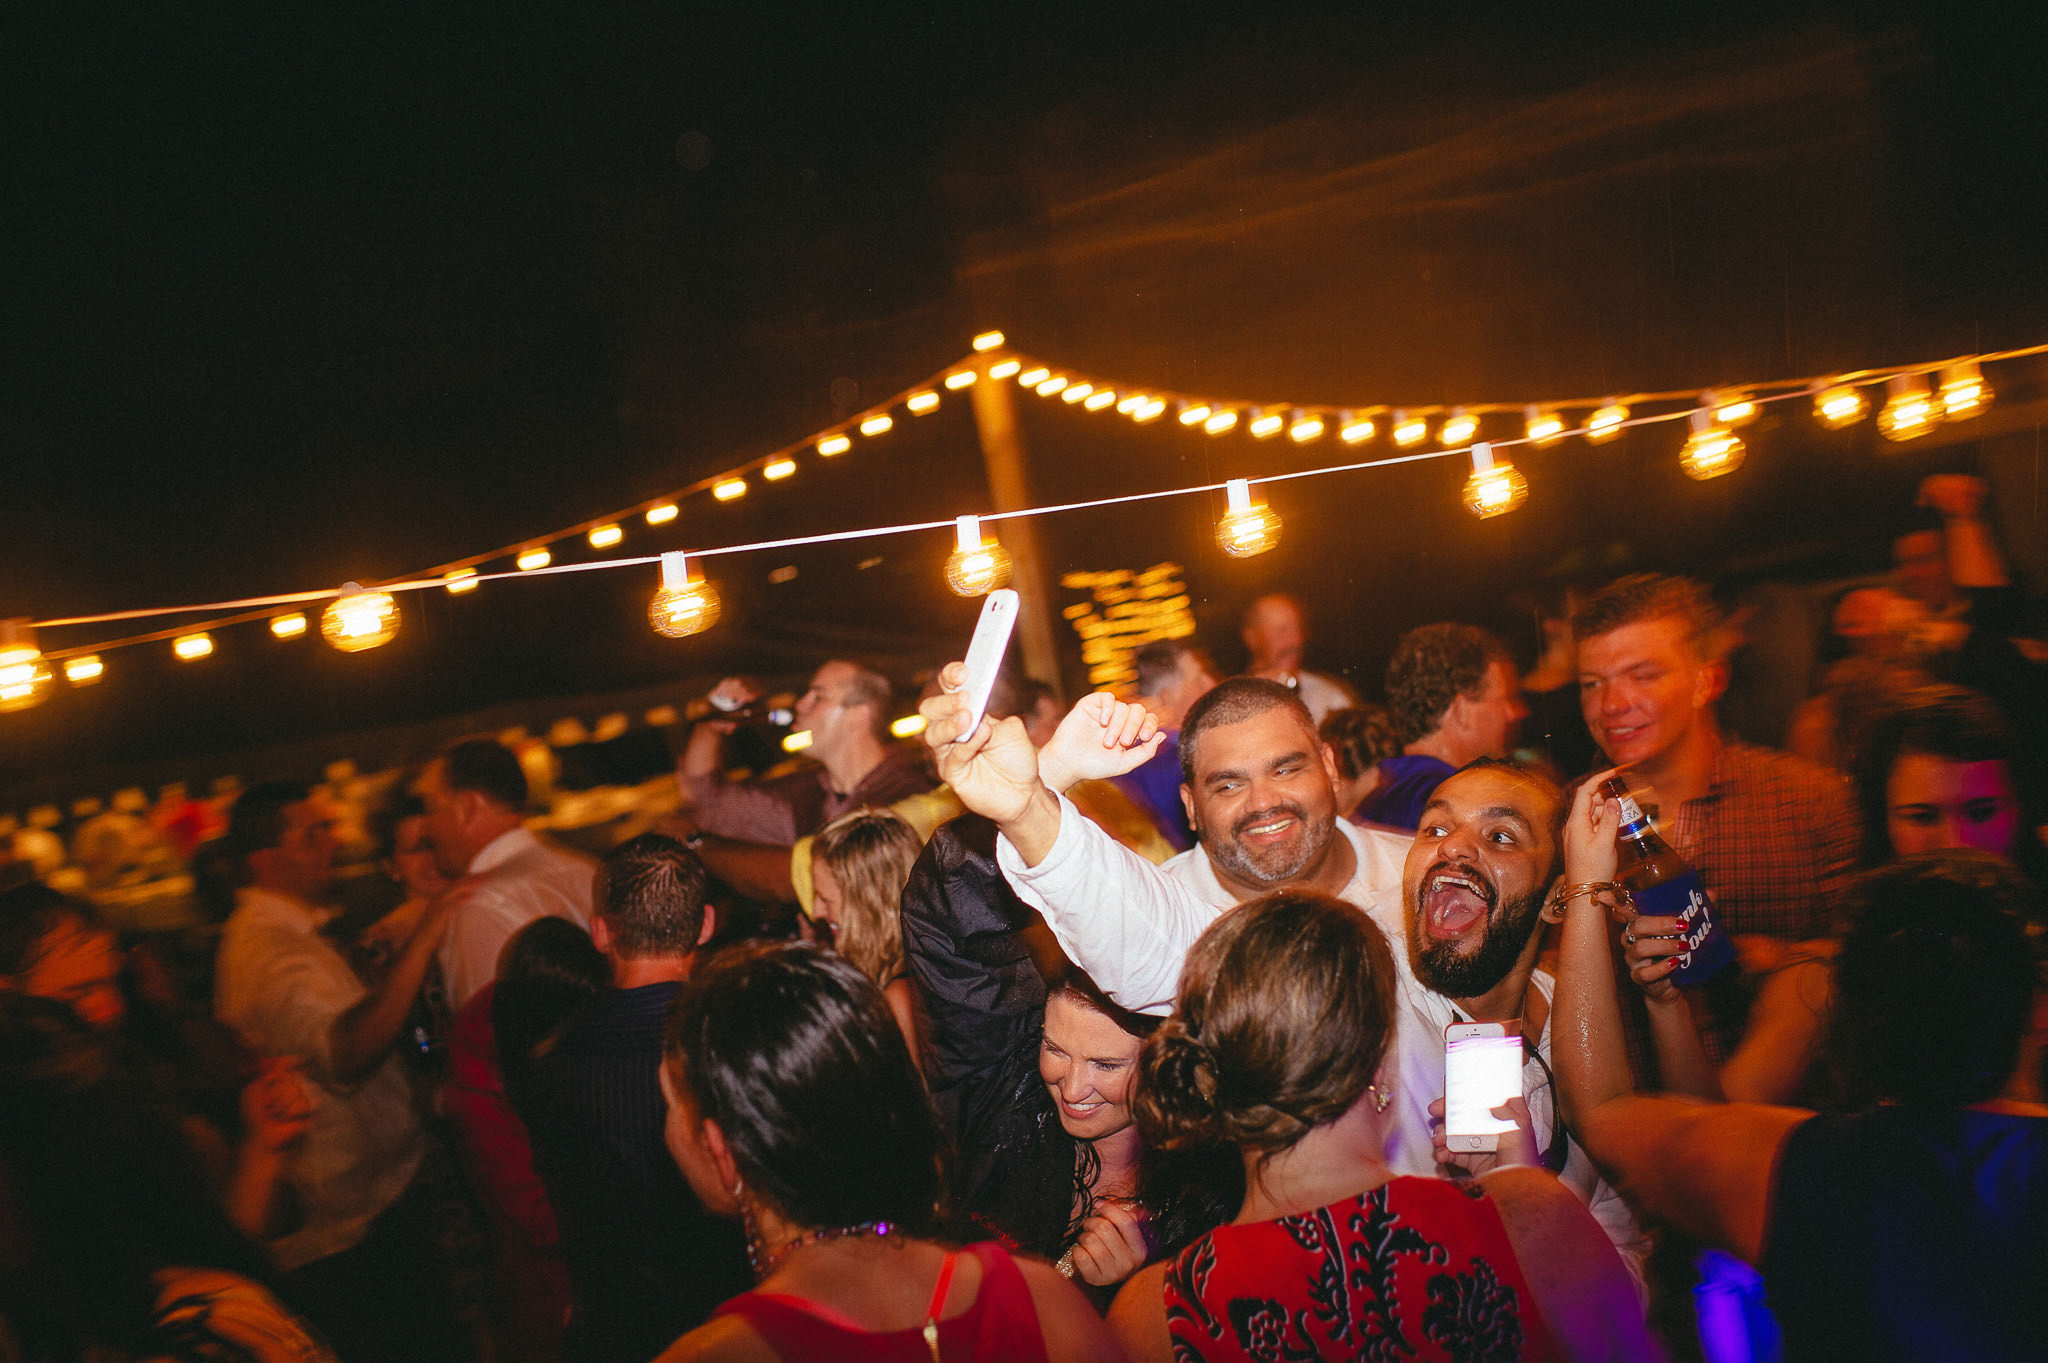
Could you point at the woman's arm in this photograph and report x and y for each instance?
(903, 1006)
(1585, 1295)
(1067, 1322)
(1138, 1319)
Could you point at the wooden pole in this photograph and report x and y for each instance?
(1002, 452)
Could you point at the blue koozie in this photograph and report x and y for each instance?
(1685, 898)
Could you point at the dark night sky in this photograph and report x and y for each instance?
(298, 297)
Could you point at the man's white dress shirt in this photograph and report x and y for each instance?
(515, 879)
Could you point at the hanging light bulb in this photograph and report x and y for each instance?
(775, 470)
(1963, 390)
(460, 580)
(835, 444)
(1219, 422)
(1909, 410)
(1052, 385)
(605, 536)
(1193, 413)
(1100, 399)
(1408, 430)
(667, 511)
(1148, 410)
(1838, 405)
(1606, 422)
(1305, 427)
(1711, 450)
(1542, 427)
(1355, 430)
(288, 626)
(1075, 392)
(534, 558)
(1730, 409)
(84, 670)
(359, 619)
(988, 340)
(1130, 403)
(1246, 529)
(1266, 423)
(1034, 376)
(24, 678)
(1002, 369)
(192, 647)
(684, 605)
(725, 490)
(960, 378)
(877, 424)
(1458, 428)
(976, 566)
(1493, 489)
(920, 403)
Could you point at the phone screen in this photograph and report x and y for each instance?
(1480, 1074)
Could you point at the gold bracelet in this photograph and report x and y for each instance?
(1564, 894)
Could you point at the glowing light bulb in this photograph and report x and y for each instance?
(1034, 376)
(835, 444)
(976, 566)
(1246, 528)
(1729, 409)
(461, 580)
(1839, 405)
(910, 726)
(1075, 392)
(1909, 410)
(1266, 423)
(1542, 427)
(192, 647)
(84, 670)
(1493, 488)
(1409, 430)
(1305, 427)
(730, 489)
(1100, 399)
(877, 424)
(1711, 450)
(1193, 413)
(1219, 422)
(667, 511)
(1051, 386)
(1130, 403)
(1963, 390)
(775, 470)
(920, 403)
(605, 536)
(960, 378)
(1149, 410)
(288, 626)
(797, 741)
(1002, 369)
(684, 605)
(1355, 430)
(988, 340)
(359, 619)
(1458, 428)
(532, 559)
(24, 679)
(1606, 422)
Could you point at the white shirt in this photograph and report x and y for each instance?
(1129, 924)
(1322, 694)
(281, 985)
(515, 879)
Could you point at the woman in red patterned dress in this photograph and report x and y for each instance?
(1286, 1014)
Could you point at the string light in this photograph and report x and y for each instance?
(1711, 450)
(24, 679)
(1493, 488)
(920, 403)
(1219, 422)
(1033, 376)
(1100, 399)
(1963, 390)
(1730, 409)
(877, 424)
(976, 566)
(1052, 385)
(960, 378)
(1543, 428)
(775, 470)
(605, 536)
(730, 489)
(534, 558)
(1355, 430)
(1408, 430)
(1305, 427)
(1246, 529)
(1075, 392)
(1606, 422)
(1458, 428)
(1148, 410)
(988, 340)
(358, 619)
(910, 726)
(461, 580)
(192, 647)
(797, 741)
(666, 512)
(1193, 413)
(84, 670)
(1002, 369)
(288, 626)
(1909, 412)
(1839, 405)
(685, 605)
(1130, 403)
(1266, 423)
(835, 444)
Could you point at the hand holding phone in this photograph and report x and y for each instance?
(1482, 1071)
(985, 655)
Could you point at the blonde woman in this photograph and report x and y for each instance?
(859, 863)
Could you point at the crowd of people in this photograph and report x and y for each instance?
(1111, 1031)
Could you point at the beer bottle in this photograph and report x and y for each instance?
(1664, 886)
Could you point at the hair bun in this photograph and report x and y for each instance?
(1176, 1097)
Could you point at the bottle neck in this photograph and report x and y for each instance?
(1635, 825)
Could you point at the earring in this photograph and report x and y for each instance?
(1380, 1097)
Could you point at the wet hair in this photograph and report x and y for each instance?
(28, 915)
(1432, 666)
(1935, 980)
(794, 1053)
(1949, 722)
(1359, 735)
(870, 852)
(1159, 661)
(1233, 702)
(257, 821)
(487, 767)
(1652, 596)
(1286, 1010)
(549, 970)
(650, 891)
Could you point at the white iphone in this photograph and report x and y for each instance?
(1482, 1070)
(985, 654)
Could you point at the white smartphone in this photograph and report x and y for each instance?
(985, 654)
(1482, 1070)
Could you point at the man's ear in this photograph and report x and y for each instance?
(710, 923)
(1187, 801)
(1709, 682)
(1331, 769)
(601, 933)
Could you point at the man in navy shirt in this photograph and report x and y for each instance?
(1455, 697)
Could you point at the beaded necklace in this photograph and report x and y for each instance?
(765, 1263)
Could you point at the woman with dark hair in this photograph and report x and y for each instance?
(111, 1242)
(794, 1106)
(1938, 773)
(1279, 1048)
(1916, 1227)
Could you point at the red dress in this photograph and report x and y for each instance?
(1418, 1268)
(1000, 1327)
